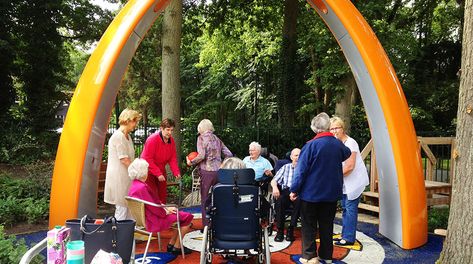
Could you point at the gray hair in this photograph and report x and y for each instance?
(320, 123)
(138, 169)
(256, 146)
(204, 126)
(233, 163)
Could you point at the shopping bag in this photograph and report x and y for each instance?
(110, 235)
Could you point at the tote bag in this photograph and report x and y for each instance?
(112, 236)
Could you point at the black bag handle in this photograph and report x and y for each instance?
(111, 219)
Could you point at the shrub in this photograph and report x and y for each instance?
(26, 199)
(11, 250)
(438, 218)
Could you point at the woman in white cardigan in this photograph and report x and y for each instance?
(355, 179)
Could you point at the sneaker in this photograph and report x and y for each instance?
(177, 251)
(310, 261)
(343, 242)
(279, 237)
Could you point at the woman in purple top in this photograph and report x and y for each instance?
(210, 149)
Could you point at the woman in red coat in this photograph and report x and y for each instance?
(157, 218)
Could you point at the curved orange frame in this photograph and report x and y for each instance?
(403, 215)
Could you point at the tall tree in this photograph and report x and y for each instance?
(288, 89)
(171, 84)
(458, 244)
(7, 92)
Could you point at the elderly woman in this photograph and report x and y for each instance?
(120, 154)
(210, 149)
(233, 163)
(318, 182)
(355, 179)
(157, 218)
(260, 165)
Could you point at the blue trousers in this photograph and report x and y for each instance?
(349, 218)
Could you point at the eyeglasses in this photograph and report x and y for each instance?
(334, 128)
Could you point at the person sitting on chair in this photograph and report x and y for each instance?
(281, 183)
(260, 165)
(157, 218)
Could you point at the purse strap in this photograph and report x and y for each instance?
(111, 219)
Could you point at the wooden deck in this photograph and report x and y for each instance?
(437, 193)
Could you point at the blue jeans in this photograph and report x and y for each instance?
(349, 218)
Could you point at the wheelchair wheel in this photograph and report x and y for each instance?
(205, 255)
(265, 255)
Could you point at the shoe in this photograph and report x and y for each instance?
(177, 251)
(310, 261)
(170, 248)
(290, 234)
(343, 242)
(279, 237)
(337, 239)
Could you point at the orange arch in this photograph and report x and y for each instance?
(403, 214)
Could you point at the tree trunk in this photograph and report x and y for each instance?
(171, 101)
(458, 244)
(288, 90)
(343, 107)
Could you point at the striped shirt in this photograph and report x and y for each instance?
(284, 176)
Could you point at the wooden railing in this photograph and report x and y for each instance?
(438, 192)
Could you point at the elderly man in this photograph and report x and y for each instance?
(281, 183)
(260, 165)
(318, 183)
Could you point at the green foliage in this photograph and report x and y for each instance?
(11, 249)
(438, 218)
(20, 145)
(26, 199)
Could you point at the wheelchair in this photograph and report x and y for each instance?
(236, 219)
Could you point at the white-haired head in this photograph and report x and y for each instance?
(138, 169)
(254, 150)
(204, 126)
(233, 163)
(320, 123)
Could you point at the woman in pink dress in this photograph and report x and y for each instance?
(157, 218)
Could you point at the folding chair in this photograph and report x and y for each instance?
(137, 208)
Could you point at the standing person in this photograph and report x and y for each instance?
(120, 154)
(210, 149)
(355, 179)
(159, 150)
(318, 183)
(281, 183)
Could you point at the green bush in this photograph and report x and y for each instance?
(438, 218)
(11, 250)
(26, 199)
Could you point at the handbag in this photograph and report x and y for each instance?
(112, 236)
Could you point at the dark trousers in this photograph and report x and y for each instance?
(321, 214)
(282, 204)
(207, 180)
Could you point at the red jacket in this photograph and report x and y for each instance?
(158, 153)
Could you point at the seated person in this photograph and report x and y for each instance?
(157, 218)
(232, 163)
(281, 183)
(260, 165)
